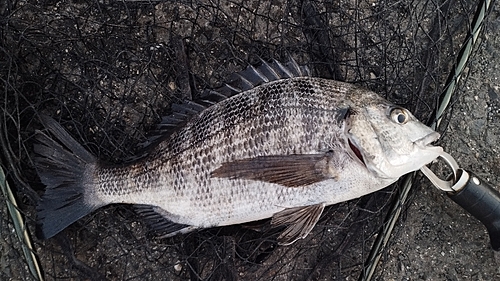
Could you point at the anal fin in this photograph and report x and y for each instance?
(299, 221)
(157, 219)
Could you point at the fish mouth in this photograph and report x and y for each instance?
(427, 140)
(355, 150)
(424, 143)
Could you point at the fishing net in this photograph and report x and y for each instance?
(108, 70)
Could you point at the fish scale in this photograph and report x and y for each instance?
(283, 149)
(200, 136)
(227, 143)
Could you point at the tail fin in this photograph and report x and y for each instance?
(66, 168)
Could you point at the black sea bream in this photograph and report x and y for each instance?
(283, 149)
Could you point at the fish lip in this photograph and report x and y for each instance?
(427, 140)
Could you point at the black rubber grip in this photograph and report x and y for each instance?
(483, 202)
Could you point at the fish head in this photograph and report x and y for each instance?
(389, 140)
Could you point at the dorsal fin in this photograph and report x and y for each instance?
(244, 80)
(277, 70)
(181, 113)
(252, 77)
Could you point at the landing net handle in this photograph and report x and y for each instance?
(481, 200)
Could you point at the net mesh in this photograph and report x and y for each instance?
(108, 70)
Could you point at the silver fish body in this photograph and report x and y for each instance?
(281, 150)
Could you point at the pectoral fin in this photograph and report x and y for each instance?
(287, 170)
(299, 221)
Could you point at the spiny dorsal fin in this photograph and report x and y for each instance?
(244, 80)
(252, 76)
(286, 170)
(277, 70)
(299, 221)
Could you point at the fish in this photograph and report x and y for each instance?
(277, 144)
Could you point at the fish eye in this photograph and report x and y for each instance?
(399, 116)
